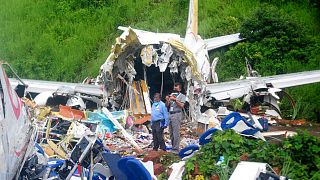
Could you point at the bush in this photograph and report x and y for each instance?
(275, 44)
(297, 157)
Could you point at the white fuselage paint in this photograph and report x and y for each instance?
(14, 130)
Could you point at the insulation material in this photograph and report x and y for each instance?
(173, 67)
(165, 57)
(147, 54)
(188, 57)
(77, 130)
(214, 75)
(58, 150)
(146, 97)
(127, 39)
(139, 98)
(136, 99)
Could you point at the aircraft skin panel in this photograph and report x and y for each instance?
(296, 79)
(15, 130)
(193, 17)
(147, 37)
(236, 89)
(39, 86)
(217, 42)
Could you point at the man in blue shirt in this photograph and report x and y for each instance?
(159, 121)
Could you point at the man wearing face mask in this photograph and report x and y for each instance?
(159, 121)
(175, 102)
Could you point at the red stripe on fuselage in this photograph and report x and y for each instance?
(24, 148)
(16, 110)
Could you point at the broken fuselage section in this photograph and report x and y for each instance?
(16, 130)
(143, 63)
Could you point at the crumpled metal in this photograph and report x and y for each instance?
(165, 57)
(188, 57)
(147, 55)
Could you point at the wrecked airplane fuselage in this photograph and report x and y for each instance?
(16, 130)
(143, 63)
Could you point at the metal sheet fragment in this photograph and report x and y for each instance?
(147, 55)
(165, 57)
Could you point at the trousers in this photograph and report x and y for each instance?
(174, 129)
(157, 134)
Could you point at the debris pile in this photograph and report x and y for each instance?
(73, 141)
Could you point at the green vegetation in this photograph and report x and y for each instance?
(68, 40)
(297, 157)
(276, 43)
(167, 160)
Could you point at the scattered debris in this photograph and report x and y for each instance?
(101, 129)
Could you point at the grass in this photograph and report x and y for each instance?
(69, 40)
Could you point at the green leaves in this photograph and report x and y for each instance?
(278, 41)
(305, 150)
(189, 165)
(297, 157)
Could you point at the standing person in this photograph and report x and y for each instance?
(176, 103)
(159, 121)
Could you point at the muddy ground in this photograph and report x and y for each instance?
(312, 128)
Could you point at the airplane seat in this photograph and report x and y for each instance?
(188, 151)
(206, 136)
(238, 123)
(139, 171)
(122, 165)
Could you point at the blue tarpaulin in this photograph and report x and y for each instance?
(105, 124)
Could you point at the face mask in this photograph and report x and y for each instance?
(175, 94)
